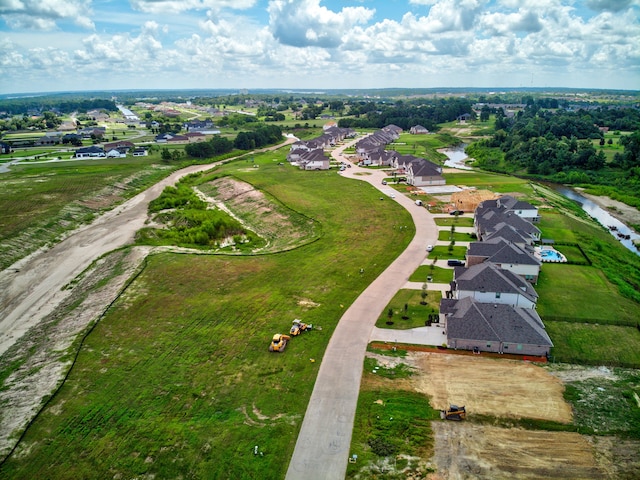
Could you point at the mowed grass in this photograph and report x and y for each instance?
(177, 381)
(591, 344)
(417, 314)
(580, 293)
(453, 220)
(438, 274)
(490, 181)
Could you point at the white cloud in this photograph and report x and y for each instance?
(44, 14)
(302, 23)
(177, 6)
(609, 5)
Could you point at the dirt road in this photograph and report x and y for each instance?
(31, 288)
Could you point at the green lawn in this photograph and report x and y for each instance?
(442, 252)
(418, 314)
(594, 344)
(581, 293)
(445, 235)
(42, 201)
(453, 220)
(390, 422)
(440, 275)
(176, 380)
(490, 181)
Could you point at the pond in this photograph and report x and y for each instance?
(615, 226)
(456, 157)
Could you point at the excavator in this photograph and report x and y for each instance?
(298, 327)
(454, 413)
(279, 342)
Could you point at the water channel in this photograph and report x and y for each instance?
(603, 217)
(456, 159)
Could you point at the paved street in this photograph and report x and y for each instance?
(322, 448)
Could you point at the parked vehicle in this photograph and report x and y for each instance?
(456, 212)
(455, 263)
(419, 203)
(429, 248)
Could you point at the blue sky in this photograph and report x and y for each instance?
(56, 45)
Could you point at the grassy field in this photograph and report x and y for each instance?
(589, 344)
(390, 422)
(424, 146)
(417, 314)
(490, 181)
(582, 293)
(42, 201)
(177, 381)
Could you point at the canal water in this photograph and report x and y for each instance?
(456, 157)
(603, 217)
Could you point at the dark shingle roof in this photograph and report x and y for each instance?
(471, 320)
(487, 277)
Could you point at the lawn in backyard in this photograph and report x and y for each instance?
(177, 380)
(490, 181)
(590, 344)
(417, 313)
(582, 293)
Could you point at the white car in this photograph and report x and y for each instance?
(429, 248)
(393, 195)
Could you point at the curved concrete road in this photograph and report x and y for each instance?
(322, 448)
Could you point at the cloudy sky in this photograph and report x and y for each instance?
(56, 45)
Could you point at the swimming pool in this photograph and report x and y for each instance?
(551, 255)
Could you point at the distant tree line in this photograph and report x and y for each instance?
(37, 105)
(426, 112)
(217, 145)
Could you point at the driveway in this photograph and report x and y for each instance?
(322, 448)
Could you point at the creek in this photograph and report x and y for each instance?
(602, 216)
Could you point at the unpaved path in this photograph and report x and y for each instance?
(32, 287)
(322, 448)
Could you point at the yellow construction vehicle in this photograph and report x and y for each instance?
(278, 342)
(454, 413)
(298, 327)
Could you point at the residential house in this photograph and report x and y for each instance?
(195, 137)
(120, 144)
(505, 255)
(116, 152)
(140, 152)
(507, 203)
(486, 224)
(48, 139)
(419, 171)
(90, 152)
(5, 148)
(314, 160)
(418, 130)
(487, 283)
(493, 327)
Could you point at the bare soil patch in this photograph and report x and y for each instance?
(469, 451)
(42, 358)
(496, 387)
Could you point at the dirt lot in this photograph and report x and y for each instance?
(504, 388)
(466, 450)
